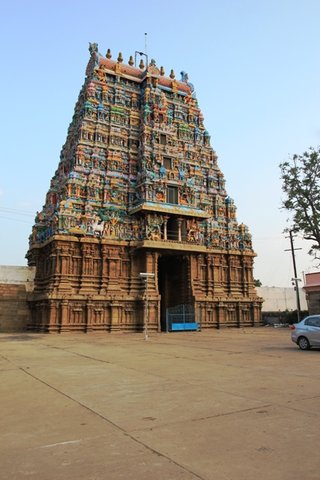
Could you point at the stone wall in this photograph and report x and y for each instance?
(281, 299)
(15, 283)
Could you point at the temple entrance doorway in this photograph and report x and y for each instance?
(175, 289)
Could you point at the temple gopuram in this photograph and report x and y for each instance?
(137, 225)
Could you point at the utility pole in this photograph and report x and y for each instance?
(295, 279)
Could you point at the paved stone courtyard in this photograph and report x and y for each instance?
(219, 405)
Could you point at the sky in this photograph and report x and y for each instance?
(255, 67)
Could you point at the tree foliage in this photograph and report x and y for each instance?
(301, 184)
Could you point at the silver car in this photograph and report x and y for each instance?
(306, 333)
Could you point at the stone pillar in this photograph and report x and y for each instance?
(43, 316)
(64, 314)
(89, 316)
(87, 268)
(53, 317)
(64, 262)
(256, 311)
(104, 269)
(114, 273)
(115, 316)
(239, 315)
(55, 273)
(220, 314)
(179, 220)
(165, 233)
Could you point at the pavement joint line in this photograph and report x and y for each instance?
(201, 419)
(234, 412)
(300, 410)
(78, 354)
(283, 405)
(122, 430)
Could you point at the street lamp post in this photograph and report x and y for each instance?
(145, 277)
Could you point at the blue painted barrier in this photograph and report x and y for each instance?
(184, 326)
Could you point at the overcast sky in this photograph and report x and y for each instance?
(255, 67)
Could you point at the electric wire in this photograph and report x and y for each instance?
(14, 219)
(16, 211)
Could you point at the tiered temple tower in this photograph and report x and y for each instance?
(138, 189)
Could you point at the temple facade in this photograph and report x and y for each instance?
(137, 225)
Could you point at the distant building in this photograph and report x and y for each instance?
(312, 289)
(281, 299)
(280, 304)
(138, 190)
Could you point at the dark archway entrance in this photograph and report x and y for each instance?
(172, 229)
(176, 229)
(174, 284)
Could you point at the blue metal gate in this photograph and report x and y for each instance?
(181, 318)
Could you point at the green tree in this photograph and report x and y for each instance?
(301, 184)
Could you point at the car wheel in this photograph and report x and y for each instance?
(303, 343)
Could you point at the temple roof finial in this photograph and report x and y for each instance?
(93, 48)
(141, 65)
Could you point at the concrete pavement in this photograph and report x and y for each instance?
(219, 405)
